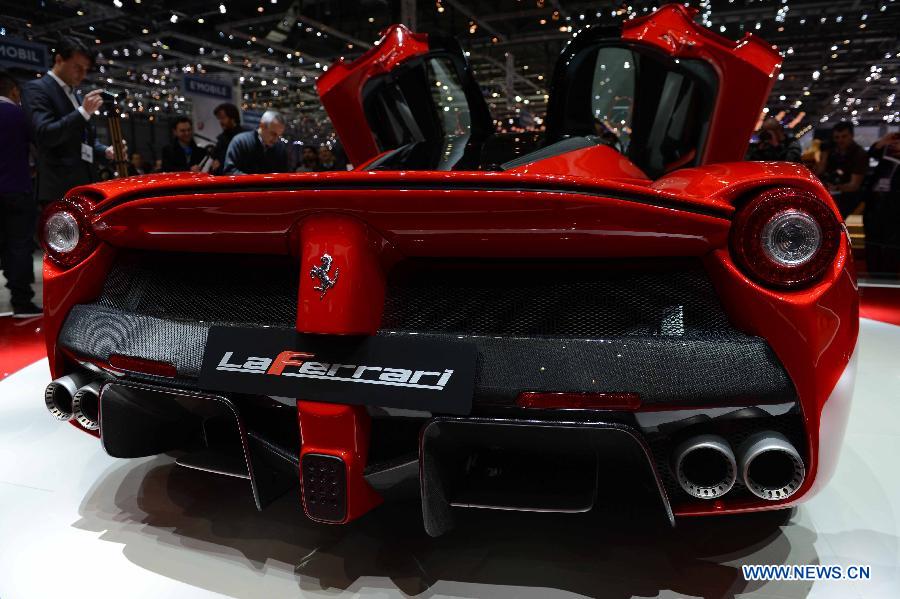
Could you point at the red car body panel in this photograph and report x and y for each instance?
(589, 203)
(598, 162)
(814, 334)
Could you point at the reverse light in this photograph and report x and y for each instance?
(785, 237)
(66, 233)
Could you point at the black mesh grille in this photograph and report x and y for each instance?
(567, 299)
(215, 288)
(561, 299)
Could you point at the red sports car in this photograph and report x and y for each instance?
(499, 318)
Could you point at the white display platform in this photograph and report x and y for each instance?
(77, 523)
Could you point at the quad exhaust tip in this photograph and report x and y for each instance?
(86, 406)
(770, 466)
(59, 394)
(705, 466)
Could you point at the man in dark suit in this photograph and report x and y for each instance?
(18, 211)
(260, 151)
(67, 146)
(183, 154)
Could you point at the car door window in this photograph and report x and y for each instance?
(653, 109)
(612, 95)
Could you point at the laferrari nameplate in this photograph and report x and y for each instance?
(400, 372)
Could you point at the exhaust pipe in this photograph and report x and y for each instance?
(58, 394)
(86, 406)
(705, 466)
(770, 466)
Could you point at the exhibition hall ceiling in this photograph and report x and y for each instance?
(842, 58)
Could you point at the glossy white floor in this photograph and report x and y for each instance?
(76, 523)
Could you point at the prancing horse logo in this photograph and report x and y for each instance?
(321, 273)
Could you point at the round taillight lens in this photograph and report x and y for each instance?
(66, 232)
(785, 237)
(791, 238)
(61, 232)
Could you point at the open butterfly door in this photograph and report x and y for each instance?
(409, 89)
(666, 91)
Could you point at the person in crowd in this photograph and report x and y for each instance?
(842, 168)
(260, 151)
(812, 155)
(137, 166)
(18, 210)
(327, 161)
(775, 144)
(183, 153)
(230, 121)
(340, 157)
(882, 213)
(67, 147)
(309, 160)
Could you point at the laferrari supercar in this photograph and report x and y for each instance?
(495, 316)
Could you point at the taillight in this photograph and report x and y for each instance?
(785, 237)
(66, 233)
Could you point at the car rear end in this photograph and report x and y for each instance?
(501, 339)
